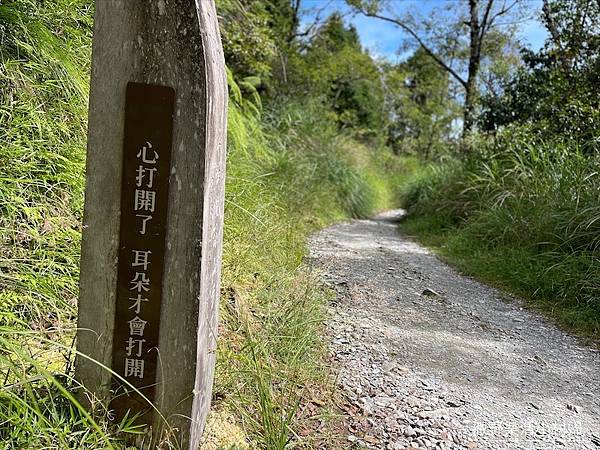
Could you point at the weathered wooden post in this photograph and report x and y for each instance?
(151, 250)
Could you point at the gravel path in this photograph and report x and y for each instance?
(431, 359)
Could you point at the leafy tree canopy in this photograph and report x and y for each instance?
(556, 91)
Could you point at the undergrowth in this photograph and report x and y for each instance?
(522, 213)
(289, 172)
(286, 178)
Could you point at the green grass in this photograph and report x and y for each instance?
(516, 269)
(523, 215)
(283, 183)
(289, 172)
(44, 56)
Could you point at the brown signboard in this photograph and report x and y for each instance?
(143, 227)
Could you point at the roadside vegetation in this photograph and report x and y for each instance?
(504, 184)
(516, 202)
(305, 149)
(522, 214)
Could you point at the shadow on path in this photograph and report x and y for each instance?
(430, 358)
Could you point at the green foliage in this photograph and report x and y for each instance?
(285, 20)
(557, 90)
(286, 176)
(289, 172)
(266, 58)
(248, 41)
(336, 70)
(523, 212)
(44, 60)
(334, 36)
(421, 105)
(257, 35)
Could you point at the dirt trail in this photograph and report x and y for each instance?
(469, 368)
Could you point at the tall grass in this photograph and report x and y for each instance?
(288, 173)
(524, 213)
(44, 55)
(286, 178)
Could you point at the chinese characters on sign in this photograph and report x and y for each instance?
(144, 203)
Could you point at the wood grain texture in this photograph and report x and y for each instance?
(214, 196)
(173, 43)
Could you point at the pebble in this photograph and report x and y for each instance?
(420, 373)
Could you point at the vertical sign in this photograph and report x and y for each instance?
(144, 205)
(144, 261)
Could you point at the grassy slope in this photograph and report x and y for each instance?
(523, 216)
(284, 179)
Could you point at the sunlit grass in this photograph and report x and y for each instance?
(522, 214)
(289, 172)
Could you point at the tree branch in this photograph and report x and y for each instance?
(505, 10)
(485, 22)
(417, 38)
(315, 23)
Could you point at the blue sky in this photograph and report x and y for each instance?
(383, 38)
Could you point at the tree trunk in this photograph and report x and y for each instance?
(474, 63)
(469, 109)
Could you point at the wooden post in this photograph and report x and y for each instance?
(152, 239)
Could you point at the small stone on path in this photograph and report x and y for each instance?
(483, 374)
